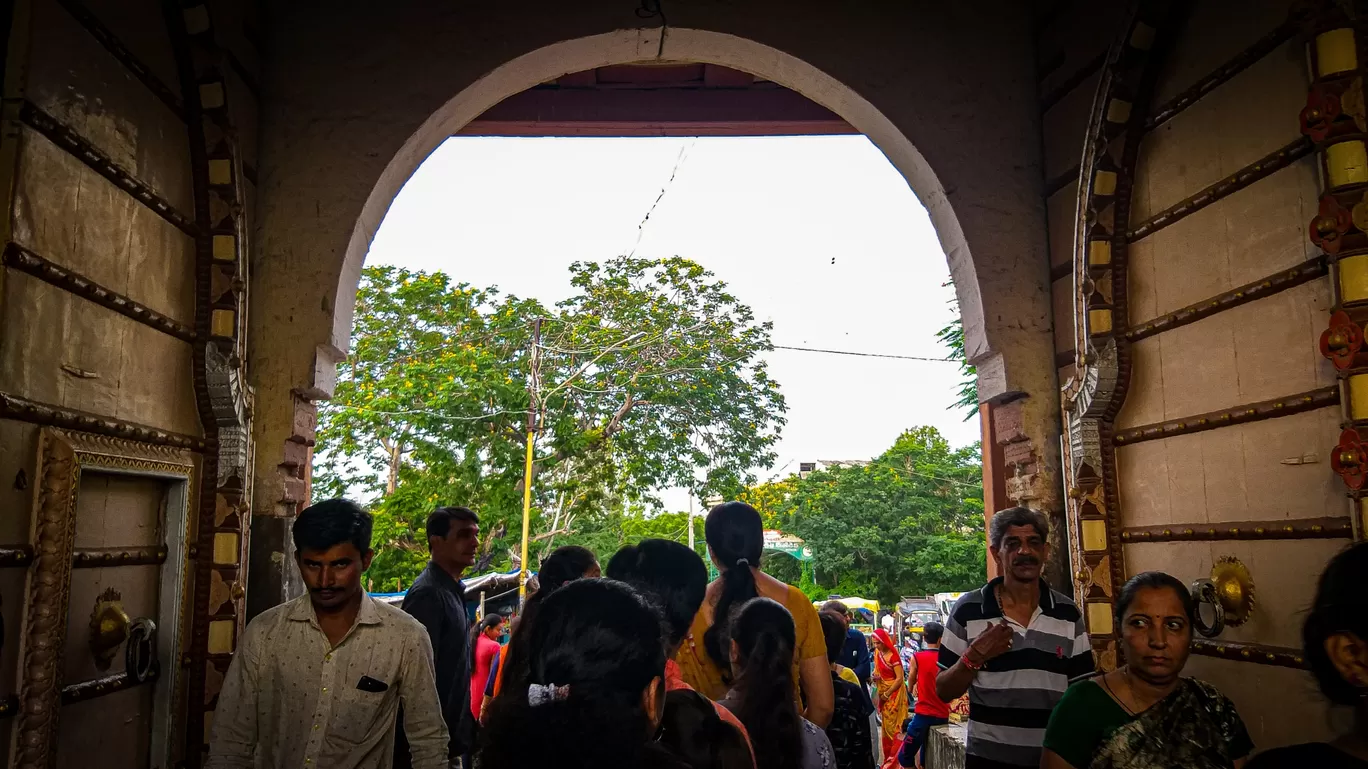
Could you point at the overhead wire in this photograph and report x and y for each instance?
(867, 354)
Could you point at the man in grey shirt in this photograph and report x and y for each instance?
(317, 681)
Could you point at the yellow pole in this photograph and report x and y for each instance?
(533, 377)
(527, 515)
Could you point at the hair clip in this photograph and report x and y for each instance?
(540, 694)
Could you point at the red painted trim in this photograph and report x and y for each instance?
(766, 111)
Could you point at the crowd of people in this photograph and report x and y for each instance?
(646, 664)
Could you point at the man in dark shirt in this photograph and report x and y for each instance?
(436, 599)
(855, 652)
(849, 730)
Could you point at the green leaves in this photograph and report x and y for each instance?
(649, 378)
(952, 336)
(910, 522)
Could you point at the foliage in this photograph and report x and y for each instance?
(952, 336)
(908, 523)
(649, 377)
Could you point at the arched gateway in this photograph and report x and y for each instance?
(190, 188)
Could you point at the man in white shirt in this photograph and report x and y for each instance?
(317, 681)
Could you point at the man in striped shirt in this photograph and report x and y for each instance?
(1015, 645)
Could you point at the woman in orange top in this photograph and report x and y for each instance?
(735, 536)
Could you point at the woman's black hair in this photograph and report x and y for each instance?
(1155, 580)
(601, 641)
(834, 633)
(736, 537)
(693, 731)
(668, 572)
(765, 638)
(565, 565)
(1340, 607)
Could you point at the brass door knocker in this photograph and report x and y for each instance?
(1205, 593)
(140, 656)
(109, 625)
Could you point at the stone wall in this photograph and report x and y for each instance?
(359, 93)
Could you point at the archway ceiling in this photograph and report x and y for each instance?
(658, 99)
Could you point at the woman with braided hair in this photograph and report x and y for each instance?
(736, 540)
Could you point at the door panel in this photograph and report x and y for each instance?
(113, 731)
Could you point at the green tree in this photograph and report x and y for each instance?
(952, 336)
(910, 522)
(649, 377)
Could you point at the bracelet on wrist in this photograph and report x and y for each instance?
(975, 666)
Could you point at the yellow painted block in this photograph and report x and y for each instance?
(226, 548)
(1346, 163)
(221, 636)
(1100, 321)
(211, 95)
(1094, 535)
(225, 248)
(1353, 278)
(223, 323)
(1118, 111)
(208, 726)
(220, 171)
(1099, 617)
(1335, 51)
(1358, 396)
(1104, 183)
(1099, 252)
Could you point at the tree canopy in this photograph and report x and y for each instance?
(909, 522)
(649, 377)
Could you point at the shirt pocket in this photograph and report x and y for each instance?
(356, 714)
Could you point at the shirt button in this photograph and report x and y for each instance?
(328, 656)
(325, 688)
(315, 727)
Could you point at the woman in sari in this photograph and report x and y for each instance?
(1144, 714)
(890, 695)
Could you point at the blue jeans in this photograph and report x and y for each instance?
(914, 742)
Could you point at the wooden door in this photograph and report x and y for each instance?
(104, 604)
(1202, 415)
(123, 220)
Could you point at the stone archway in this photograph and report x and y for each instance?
(996, 254)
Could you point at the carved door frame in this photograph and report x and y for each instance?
(62, 457)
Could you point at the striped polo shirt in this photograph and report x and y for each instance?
(1011, 697)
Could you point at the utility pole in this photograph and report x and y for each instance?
(533, 382)
(691, 534)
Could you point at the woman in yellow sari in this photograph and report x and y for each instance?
(890, 695)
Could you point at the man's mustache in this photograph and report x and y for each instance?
(1026, 561)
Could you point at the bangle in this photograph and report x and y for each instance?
(971, 664)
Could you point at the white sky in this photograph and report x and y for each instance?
(819, 234)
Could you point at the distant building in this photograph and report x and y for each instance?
(806, 468)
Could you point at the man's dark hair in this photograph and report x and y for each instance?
(932, 632)
(331, 522)
(439, 522)
(669, 575)
(833, 632)
(837, 608)
(1016, 516)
